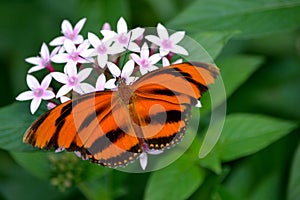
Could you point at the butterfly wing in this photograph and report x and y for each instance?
(163, 100)
(87, 125)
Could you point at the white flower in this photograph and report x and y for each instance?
(144, 156)
(69, 33)
(124, 38)
(145, 62)
(44, 61)
(64, 99)
(167, 43)
(124, 75)
(102, 48)
(166, 62)
(100, 83)
(37, 93)
(72, 80)
(73, 53)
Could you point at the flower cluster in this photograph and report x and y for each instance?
(80, 65)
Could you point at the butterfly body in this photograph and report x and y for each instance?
(111, 128)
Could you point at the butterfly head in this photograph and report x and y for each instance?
(120, 81)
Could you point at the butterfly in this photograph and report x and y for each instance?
(111, 128)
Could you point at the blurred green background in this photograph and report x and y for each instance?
(255, 43)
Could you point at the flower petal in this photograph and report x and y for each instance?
(35, 68)
(136, 33)
(177, 37)
(48, 95)
(114, 69)
(60, 58)
(45, 52)
(83, 74)
(46, 81)
(32, 82)
(86, 88)
(102, 60)
(69, 46)
(108, 33)
(100, 83)
(143, 160)
(136, 58)
(145, 51)
(71, 69)
(179, 50)
(60, 77)
(155, 58)
(34, 60)
(162, 32)
(165, 62)
(122, 26)
(154, 39)
(94, 40)
(110, 84)
(64, 99)
(78, 39)
(163, 52)
(66, 27)
(57, 41)
(79, 26)
(83, 46)
(34, 105)
(127, 69)
(198, 105)
(55, 51)
(63, 90)
(24, 96)
(143, 70)
(133, 47)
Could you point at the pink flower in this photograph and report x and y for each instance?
(167, 43)
(145, 62)
(102, 48)
(44, 61)
(124, 38)
(73, 54)
(72, 80)
(69, 33)
(37, 93)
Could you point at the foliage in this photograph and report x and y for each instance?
(256, 46)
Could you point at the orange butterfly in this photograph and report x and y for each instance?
(111, 127)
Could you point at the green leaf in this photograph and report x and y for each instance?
(250, 18)
(15, 119)
(294, 178)
(264, 174)
(245, 134)
(35, 162)
(99, 12)
(212, 42)
(234, 71)
(177, 181)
